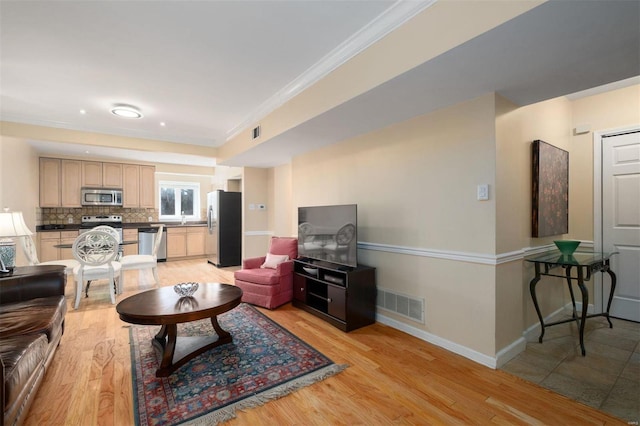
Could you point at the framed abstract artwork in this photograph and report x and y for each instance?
(550, 206)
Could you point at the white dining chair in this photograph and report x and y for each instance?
(144, 261)
(96, 252)
(30, 252)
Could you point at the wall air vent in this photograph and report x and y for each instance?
(255, 134)
(406, 306)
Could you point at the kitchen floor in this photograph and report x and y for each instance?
(607, 378)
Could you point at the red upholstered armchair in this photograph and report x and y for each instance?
(269, 287)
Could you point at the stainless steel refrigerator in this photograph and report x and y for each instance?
(224, 220)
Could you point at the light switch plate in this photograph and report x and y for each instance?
(483, 192)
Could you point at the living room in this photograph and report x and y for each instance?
(414, 181)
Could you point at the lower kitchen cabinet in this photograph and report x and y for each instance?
(130, 235)
(176, 243)
(185, 241)
(196, 240)
(48, 242)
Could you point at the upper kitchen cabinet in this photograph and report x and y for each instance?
(112, 175)
(92, 174)
(139, 186)
(60, 182)
(148, 187)
(50, 182)
(71, 182)
(131, 185)
(96, 174)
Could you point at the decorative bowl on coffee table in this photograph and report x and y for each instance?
(185, 289)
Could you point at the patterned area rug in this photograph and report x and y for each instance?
(264, 362)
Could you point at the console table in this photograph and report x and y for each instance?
(584, 263)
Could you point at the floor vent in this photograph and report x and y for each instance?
(401, 304)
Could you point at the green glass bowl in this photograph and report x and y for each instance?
(567, 247)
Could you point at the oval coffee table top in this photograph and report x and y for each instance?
(164, 306)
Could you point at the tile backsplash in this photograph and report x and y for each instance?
(61, 216)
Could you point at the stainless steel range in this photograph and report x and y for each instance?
(90, 222)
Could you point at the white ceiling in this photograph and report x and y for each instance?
(209, 68)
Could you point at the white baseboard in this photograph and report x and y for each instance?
(456, 348)
(502, 357)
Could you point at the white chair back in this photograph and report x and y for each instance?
(109, 229)
(29, 249)
(95, 248)
(156, 245)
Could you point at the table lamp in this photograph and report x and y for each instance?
(11, 225)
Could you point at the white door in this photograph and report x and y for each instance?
(621, 220)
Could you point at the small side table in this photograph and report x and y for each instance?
(585, 263)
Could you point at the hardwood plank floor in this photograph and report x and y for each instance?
(393, 378)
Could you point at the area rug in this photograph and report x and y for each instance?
(264, 362)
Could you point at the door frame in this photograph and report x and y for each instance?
(598, 298)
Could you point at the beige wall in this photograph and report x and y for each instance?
(255, 223)
(19, 182)
(281, 217)
(415, 187)
(415, 182)
(607, 111)
(516, 129)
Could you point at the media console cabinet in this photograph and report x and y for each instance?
(344, 297)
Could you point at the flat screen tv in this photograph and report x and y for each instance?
(329, 233)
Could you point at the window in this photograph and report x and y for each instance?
(178, 198)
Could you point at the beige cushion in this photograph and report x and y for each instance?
(273, 260)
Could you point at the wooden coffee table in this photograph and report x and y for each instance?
(164, 307)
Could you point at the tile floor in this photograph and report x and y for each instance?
(607, 378)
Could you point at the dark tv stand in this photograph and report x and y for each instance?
(343, 296)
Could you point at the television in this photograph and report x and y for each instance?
(329, 233)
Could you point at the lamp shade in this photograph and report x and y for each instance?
(12, 225)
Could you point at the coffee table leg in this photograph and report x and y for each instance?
(222, 334)
(166, 338)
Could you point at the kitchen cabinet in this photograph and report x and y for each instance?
(185, 241)
(50, 182)
(147, 187)
(131, 185)
(196, 240)
(112, 175)
(130, 234)
(138, 186)
(96, 174)
(61, 181)
(48, 242)
(70, 183)
(92, 174)
(176, 242)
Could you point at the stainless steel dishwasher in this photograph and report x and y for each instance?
(146, 240)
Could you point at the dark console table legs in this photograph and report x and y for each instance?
(583, 273)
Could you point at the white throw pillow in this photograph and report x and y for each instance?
(273, 260)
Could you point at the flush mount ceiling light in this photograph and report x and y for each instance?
(126, 111)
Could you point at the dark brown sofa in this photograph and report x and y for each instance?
(32, 310)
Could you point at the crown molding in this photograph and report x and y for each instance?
(395, 16)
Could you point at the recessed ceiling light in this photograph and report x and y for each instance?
(162, 123)
(126, 111)
(83, 112)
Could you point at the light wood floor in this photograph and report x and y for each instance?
(393, 378)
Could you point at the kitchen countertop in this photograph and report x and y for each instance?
(128, 225)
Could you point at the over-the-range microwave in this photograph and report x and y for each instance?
(101, 197)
